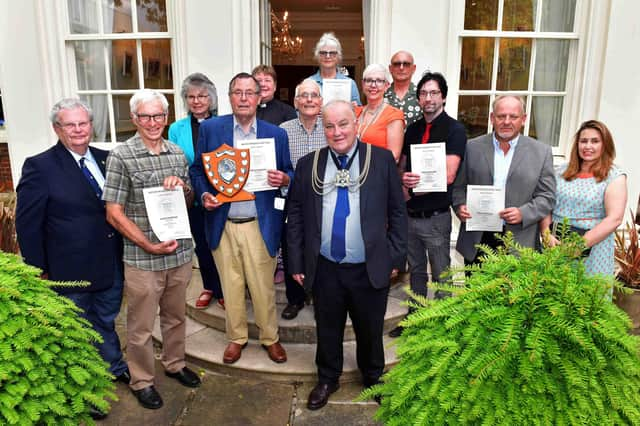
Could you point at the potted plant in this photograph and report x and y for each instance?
(531, 339)
(627, 255)
(8, 240)
(50, 372)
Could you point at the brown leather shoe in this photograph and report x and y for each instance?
(233, 352)
(276, 352)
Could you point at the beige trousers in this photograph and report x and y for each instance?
(146, 291)
(242, 257)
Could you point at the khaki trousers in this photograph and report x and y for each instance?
(146, 291)
(242, 257)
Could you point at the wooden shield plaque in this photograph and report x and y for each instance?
(227, 169)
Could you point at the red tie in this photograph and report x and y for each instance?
(427, 132)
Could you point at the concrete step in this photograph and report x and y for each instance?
(301, 329)
(205, 347)
(281, 292)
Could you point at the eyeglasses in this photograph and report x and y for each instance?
(200, 98)
(328, 53)
(374, 81)
(245, 93)
(69, 127)
(306, 95)
(425, 93)
(146, 118)
(399, 64)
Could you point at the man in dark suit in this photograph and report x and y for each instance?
(244, 235)
(347, 232)
(62, 228)
(519, 164)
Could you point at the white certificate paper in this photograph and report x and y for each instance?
(484, 202)
(262, 157)
(429, 160)
(167, 212)
(333, 88)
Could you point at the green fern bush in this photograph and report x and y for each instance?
(530, 340)
(49, 369)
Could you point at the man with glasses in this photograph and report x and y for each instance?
(306, 134)
(402, 92)
(156, 272)
(429, 213)
(271, 109)
(244, 236)
(62, 228)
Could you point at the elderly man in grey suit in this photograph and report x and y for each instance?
(521, 165)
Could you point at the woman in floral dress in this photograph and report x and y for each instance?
(592, 194)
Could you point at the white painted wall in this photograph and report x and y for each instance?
(23, 82)
(422, 28)
(619, 105)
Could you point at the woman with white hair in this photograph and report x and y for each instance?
(328, 53)
(201, 99)
(379, 123)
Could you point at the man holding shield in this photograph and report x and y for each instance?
(244, 235)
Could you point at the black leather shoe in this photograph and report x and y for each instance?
(320, 395)
(124, 377)
(396, 332)
(96, 414)
(185, 376)
(149, 397)
(291, 311)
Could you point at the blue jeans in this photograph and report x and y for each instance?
(101, 309)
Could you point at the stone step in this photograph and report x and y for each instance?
(205, 347)
(301, 329)
(281, 292)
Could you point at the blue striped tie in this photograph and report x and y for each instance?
(338, 247)
(90, 178)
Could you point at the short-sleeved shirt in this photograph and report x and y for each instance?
(408, 104)
(443, 129)
(302, 143)
(131, 167)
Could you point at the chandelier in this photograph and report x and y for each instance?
(281, 39)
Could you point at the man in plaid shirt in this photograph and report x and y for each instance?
(156, 272)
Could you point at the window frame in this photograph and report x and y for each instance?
(68, 38)
(584, 68)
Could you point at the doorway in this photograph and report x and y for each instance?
(308, 20)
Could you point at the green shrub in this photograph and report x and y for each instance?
(49, 369)
(531, 340)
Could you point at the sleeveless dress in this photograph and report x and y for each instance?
(582, 202)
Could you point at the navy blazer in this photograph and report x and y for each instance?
(61, 224)
(383, 217)
(216, 132)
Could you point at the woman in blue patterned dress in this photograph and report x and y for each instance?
(592, 194)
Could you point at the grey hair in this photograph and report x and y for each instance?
(68, 104)
(308, 81)
(328, 39)
(200, 81)
(502, 97)
(375, 68)
(336, 102)
(144, 96)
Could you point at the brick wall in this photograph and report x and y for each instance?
(6, 184)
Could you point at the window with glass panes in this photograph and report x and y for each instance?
(117, 47)
(520, 47)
